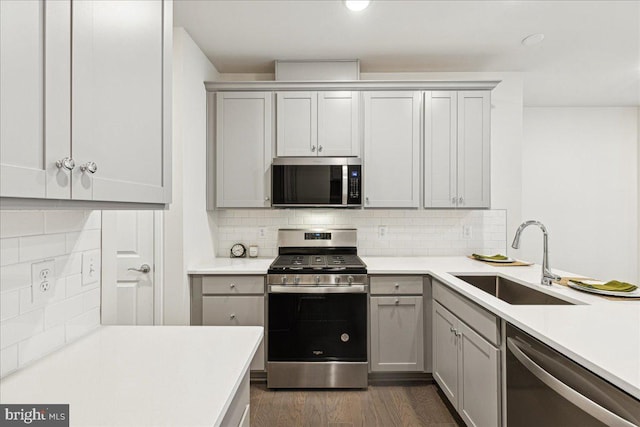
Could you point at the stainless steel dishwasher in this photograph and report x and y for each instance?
(545, 388)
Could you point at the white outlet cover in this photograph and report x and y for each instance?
(43, 280)
(90, 267)
(467, 231)
(383, 231)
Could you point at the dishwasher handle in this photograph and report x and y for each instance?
(582, 402)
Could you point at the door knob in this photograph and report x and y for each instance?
(66, 163)
(144, 268)
(89, 167)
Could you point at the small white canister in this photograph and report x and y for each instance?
(253, 251)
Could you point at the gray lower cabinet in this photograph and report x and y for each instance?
(230, 301)
(467, 368)
(396, 327)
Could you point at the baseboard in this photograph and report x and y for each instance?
(375, 378)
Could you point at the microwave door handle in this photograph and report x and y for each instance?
(582, 402)
(345, 184)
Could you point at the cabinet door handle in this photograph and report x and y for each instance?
(397, 286)
(366, 200)
(454, 201)
(233, 316)
(461, 201)
(90, 167)
(397, 301)
(232, 286)
(319, 148)
(313, 148)
(66, 163)
(266, 199)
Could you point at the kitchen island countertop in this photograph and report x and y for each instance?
(141, 375)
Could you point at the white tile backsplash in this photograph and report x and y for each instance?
(409, 232)
(30, 331)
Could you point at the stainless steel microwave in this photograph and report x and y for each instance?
(316, 182)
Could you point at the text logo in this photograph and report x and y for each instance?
(34, 415)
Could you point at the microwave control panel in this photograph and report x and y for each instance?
(355, 185)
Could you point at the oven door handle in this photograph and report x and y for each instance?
(587, 405)
(284, 289)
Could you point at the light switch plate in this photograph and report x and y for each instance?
(90, 267)
(467, 232)
(43, 280)
(383, 232)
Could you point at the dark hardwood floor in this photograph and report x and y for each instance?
(380, 405)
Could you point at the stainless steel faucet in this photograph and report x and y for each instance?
(547, 275)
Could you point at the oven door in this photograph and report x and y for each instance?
(321, 182)
(323, 327)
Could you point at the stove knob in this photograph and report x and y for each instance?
(350, 279)
(284, 280)
(317, 280)
(296, 280)
(338, 280)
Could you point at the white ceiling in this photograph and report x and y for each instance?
(590, 55)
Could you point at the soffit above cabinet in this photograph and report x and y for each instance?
(352, 85)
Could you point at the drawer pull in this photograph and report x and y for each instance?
(233, 316)
(397, 286)
(397, 301)
(232, 286)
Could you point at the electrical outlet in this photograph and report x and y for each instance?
(467, 231)
(383, 231)
(43, 280)
(90, 267)
(262, 232)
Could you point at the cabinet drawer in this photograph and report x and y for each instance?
(233, 311)
(396, 285)
(232, 285)
(483, 322)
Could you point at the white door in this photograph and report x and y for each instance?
(391, 149)
(338, 124)
(117, 99)
(474, 158)
(243, 149)
(440, 149)
(128, 248)
(297, 122)
(35, 88)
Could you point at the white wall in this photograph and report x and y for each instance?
(28, 330)
(188, 229)
(580, 178)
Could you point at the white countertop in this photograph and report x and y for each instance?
(141, 375)
(600, 334)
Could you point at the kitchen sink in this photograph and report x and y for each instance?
(510, 291)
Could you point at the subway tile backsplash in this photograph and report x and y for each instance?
(32, 329)
(408, 232)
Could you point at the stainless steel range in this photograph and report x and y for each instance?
(317, 311)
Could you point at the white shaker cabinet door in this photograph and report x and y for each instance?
(479, 376)
(120, 130)
(297, 124)
(445, 352)
(440, 149)
(474, 159)
(243, 149)
(34, 83)
(338, 124)
(391, 149)
(397, 334)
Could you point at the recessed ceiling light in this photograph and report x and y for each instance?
(532, 39)
(356, 5)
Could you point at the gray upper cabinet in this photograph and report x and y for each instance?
(243, 149)
(34, 106)
(457, 163)
(313, 124)
(391, 149)
(103, 135)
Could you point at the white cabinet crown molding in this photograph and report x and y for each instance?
(355, 85)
